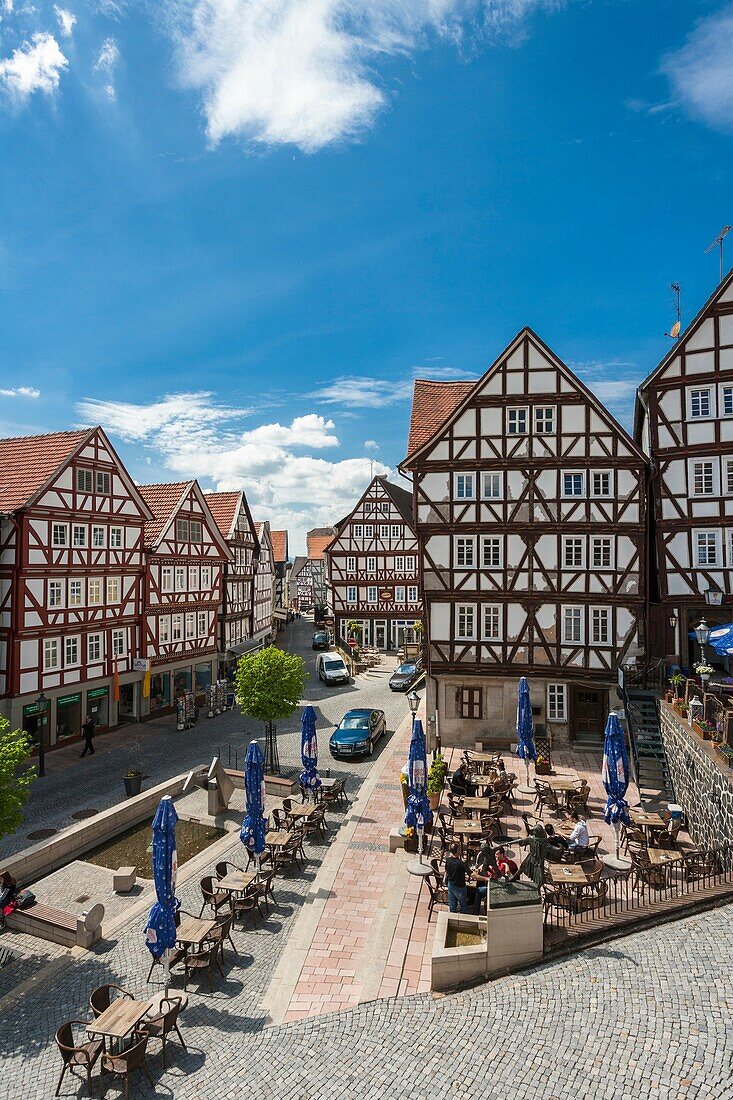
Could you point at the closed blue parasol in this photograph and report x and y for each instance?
(525, 726)
(615, 776)
(254, 826)
(310, 780)
(418, 813)
(160, 931)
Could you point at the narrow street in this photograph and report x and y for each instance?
(74, 785)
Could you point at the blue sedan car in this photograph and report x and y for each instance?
(357, 733)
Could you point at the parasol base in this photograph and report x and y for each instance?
(524, 789)
(617, 863)
(415, 867)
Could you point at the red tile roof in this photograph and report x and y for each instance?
(223, 508)
(279, 545)
(432, 404)
(27, 462)
(317, 541)
(161, 500)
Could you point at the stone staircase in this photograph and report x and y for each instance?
(653, 773)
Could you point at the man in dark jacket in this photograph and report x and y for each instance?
(87, 732)
(455, 879)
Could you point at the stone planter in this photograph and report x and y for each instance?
(434, 800)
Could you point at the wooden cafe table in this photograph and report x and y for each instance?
(192, 931)
(649, 822)
(471, 802)
(236, 881)
(465, 826)
(117, 1021)
(566, 874)
(304, 810)
(278, 839)
(659, 857)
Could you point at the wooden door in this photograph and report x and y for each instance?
(589, 714)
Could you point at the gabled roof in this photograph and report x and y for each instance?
(224, 508)
(28, 462)
(470, 388)
(432, 404)
(298, 564)
(401, 498)
(162, 500)
(279, 545)
(317, 540)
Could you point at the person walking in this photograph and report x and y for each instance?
(87, 732)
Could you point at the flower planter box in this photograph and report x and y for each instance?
(434, 800)
(542, 769)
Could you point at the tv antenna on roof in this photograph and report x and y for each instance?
(674, 332)
(719, 241)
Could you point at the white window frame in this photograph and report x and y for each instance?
(729, 478)
(60, 535)
(465, 548)
(182, 529)
(557, 702)
(596, 491)
(576, 542)
(399, 593)
(371, 565)
(384, 530)
(600, 626)
(573, 474)
(396, 531)
(712, 539)
(604, 542)
(399, 564)
(572, 616)
(465, 621)
(99, 538)
(166, 578)
(372, 593)
(119, 638)
(102, 483)
(541, 419)
(494, 544)
(179, 578)
(726, 399)
(176, 628)
(94, 649)
(115, 538)
(358, 530)
(203, 624)
(351, 593)
(71, 651)
(205, 578)
(194, 578)
(695, 398)
(702, 474)
(113, 590)
(84, 480)
(196, 530)
(50, 654)
(464, 486)
(164, 629)
(410, 563)
(95, 585)
(76, 592)
(491, 620)
(412, 596)
(490, 480)
(351, 564)
(79, 536)
(517, 421)
(368, 530)
(190, 618)
(55, 595)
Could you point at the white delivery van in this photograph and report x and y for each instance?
(331, 669)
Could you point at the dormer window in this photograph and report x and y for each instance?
(84, 481)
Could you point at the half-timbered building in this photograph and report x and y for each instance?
(186, 556)
(373, 572)
(282, 569)
(529, 505)
(264, 592)
(684, 421)
(236, 620)
(71, 581)
(307, 583)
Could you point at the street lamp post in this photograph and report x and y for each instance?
(702, 633)
(413, 701)
(42, 702)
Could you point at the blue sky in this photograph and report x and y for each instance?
(233, 231)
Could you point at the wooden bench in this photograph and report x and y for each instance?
(58, 926)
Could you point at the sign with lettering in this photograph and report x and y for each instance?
(68, 700)
(386, 594)
(140, 664)
(97, 693)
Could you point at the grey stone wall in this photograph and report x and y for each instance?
(702, 785)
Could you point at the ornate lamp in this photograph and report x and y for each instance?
(43, 704)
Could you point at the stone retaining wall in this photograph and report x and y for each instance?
(702, 785)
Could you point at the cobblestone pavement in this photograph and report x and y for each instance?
(96, 781)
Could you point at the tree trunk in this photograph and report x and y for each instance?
(272, 760)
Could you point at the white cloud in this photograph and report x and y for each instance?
(371, 445)
(106, 63)
(618, 394)
(701, 72)
(303, 72)
(67, 20)
(36, 66)
(359, 392)
(21, 391)
(192, 435)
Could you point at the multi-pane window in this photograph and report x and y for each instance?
(470, 703)
(196, 530)
(358, 530)
(384, 530)
(59, 534)
(190, 624)
(180, 574)
(94, 591)
(412, 594)
(193, 578)
(702, 477)
(465, 551)
(399, 594)
(71, 652)
(181, 529)
(102, 482)
(98, 539)
(50, 654)
(166, 578)
(601, 483)
(371, 565)
(203, 624)
(75, 593)
(491, 486)
(115, 538)
(492, 622)
(177, 627)
(113, 589)
(351, 594)
(399, 564)
(368, 531)
(572, 630)
(84, 481)
(464, 486)
(118, 643)
(572, 485)
(205, 577)
(410, 563)
(164, 629)
(516, 423)
(573, 553)
(371, 594)
(544, 419)
(396, 531)
(600, 625)
(78, 535)
(601, 548)
(700, 403)
(491, 547)
(726, 400)
(729, 475)
(94, 648)
(557, 702)
(465, 620)
(351, 565)
(55, 594)
(706, 543)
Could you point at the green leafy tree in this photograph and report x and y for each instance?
(269, 686)
(15, 750)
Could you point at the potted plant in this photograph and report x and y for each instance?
(676, 681)
(542, 763)
(436, 780)
(133, 776)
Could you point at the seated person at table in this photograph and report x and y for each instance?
(460, 783)
(554, 839)
(506, 865)
(579, 837)
(455, 879)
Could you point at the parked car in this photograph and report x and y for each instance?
(405, 675)
(331, 669)
(357, 733)
(321, 640)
